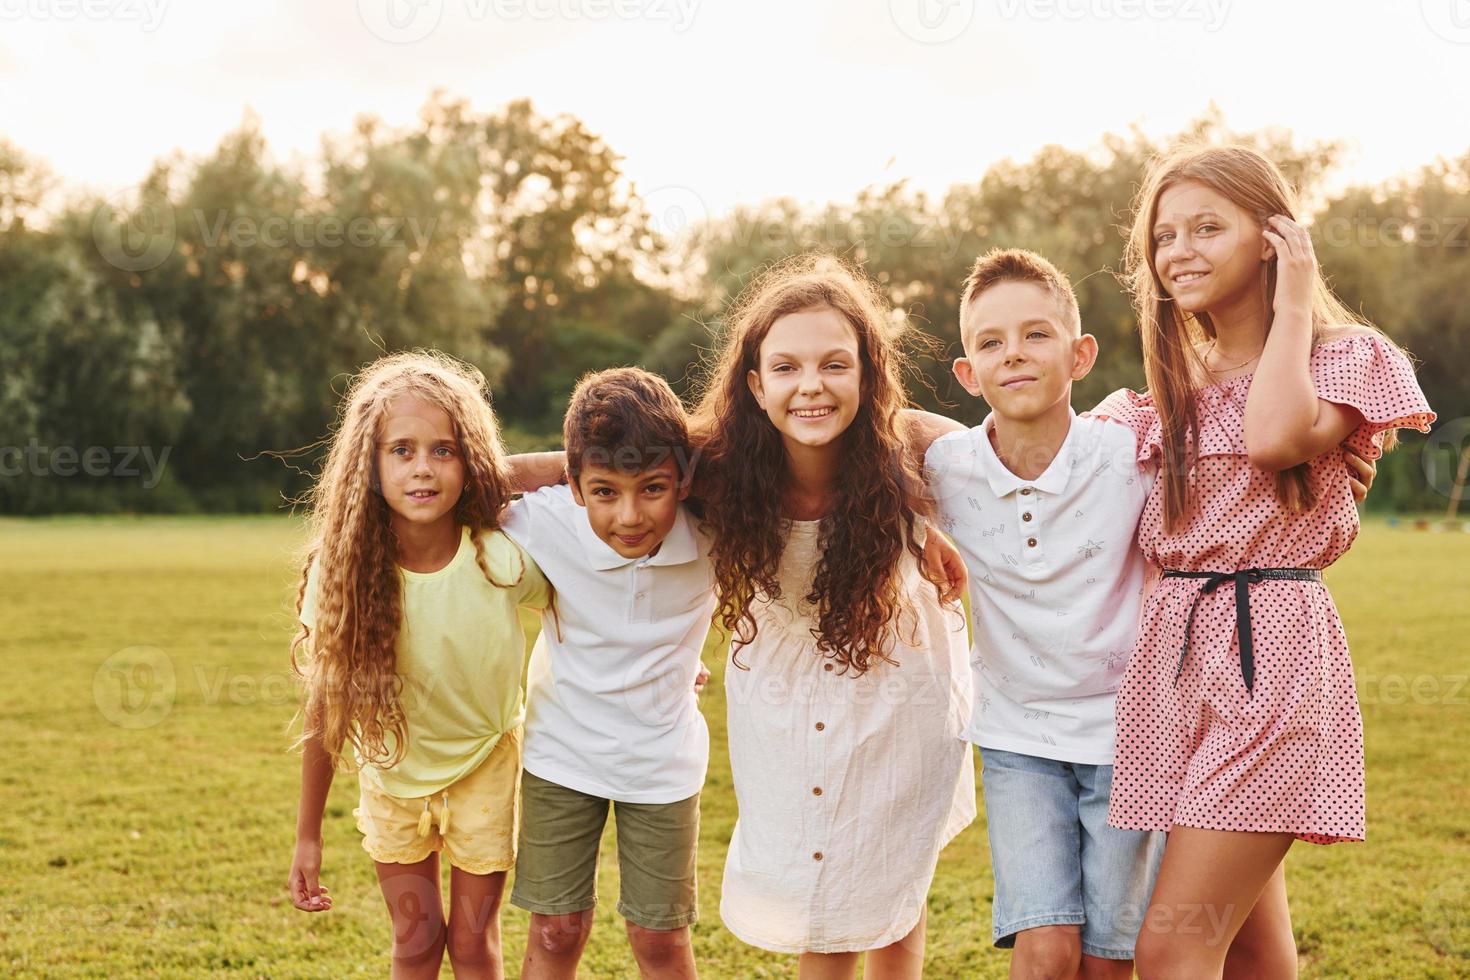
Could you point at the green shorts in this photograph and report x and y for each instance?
(561, 831)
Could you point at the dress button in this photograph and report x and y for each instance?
(826, 666)
(641, 595)
(816, 791)
(1026, 516)
(817, 856)
(820, 726)
(1031, 542)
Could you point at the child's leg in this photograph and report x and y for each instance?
(555, 945)
(474, 925)
(1118, 872)
(1208, 884)
(1264, 946)
(1052, 952)
(663, 954)
(903, 960)
(657, 850)
(412, 894)
(827, 966)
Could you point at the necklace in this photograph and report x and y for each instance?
(1211, 353)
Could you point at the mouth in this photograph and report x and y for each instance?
(1185, 278)
(812, 413)
(1020, 382)
(631, 540)
(422, 495)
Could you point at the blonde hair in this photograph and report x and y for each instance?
(1019, 265)
(353, 693)
(1171, 358)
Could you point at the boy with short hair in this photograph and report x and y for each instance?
(611, 716)
(1044, 505)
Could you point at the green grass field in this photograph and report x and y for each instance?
(149, 795)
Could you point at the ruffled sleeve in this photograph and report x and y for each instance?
(1138, 413)
(1369, 373)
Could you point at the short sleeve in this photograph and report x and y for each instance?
(308, 598)
(535, 591)
(529, 519)
(1137, 412)
(1369, 373)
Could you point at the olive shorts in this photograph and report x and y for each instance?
(561, 833)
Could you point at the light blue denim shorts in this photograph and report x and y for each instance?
(1056, 860)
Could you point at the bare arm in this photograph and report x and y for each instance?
(307, 893)
(921, 428)
(1285, 422)
(532, 471)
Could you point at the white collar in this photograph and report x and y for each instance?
(1003, 482)
(678, 547)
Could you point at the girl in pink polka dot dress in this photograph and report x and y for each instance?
(1238, 725)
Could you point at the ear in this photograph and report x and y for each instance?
(964, 372)
(1268, 251)
(686, 485)
(576, 490)
(753, 379)
(1084, 356)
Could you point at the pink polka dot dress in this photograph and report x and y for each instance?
(1196, 746)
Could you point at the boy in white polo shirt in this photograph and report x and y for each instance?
(1044, 506)
(611, 715)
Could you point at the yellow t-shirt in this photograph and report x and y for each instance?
(460, 653)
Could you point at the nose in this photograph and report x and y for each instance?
(811, 382)
(423, 464)
(627, 511)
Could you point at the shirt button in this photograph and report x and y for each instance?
(644, 594)
(1031, 542)
(817, 856)
(1025, 491)
(1026, 516)
(820, 726)
(816, 791)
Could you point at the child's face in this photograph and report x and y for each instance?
(1207, 251)
(420, 469)
(632, 512)
(809, 377)
(1020, 355)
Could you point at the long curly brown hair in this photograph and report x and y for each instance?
(742, 475)
(353, 693)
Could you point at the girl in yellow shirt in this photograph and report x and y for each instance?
(412, 648)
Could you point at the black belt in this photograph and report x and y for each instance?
(1243, 580)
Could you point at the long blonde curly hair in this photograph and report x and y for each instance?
(353, 693)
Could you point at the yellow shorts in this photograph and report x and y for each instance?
(483, 812)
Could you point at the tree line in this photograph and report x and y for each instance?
(160, 351)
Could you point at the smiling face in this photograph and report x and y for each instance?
(420, 469)
(1208, 253)
(809, 377)
(632, 511)
(1020, 354)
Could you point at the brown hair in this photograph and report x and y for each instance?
(626, 419)
(1171, 359)
(857, 590)
(1018, 265)
(353, 691)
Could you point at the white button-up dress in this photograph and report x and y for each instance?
(848, 787)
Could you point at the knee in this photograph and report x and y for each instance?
(658, 946)
(1262, 958)
(473, 941)
(560, 935)
(1048, 953)
(1157, 958)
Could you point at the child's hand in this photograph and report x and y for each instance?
(944, 567)
(306, 893)
(1360, 473)
(701, 678)
(1296, 264)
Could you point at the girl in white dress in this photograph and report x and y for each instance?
(850, 685)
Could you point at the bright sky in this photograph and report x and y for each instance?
(714, 102)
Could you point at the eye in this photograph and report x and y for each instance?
(1209, 226)
(399, 450)
(654, 489)
(1163, 237)
(837, 366)
(1036, 333)
(986, 345)
(443, 452)
(781, 368)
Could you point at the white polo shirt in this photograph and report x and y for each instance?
(1056, 580)
(610, 703)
